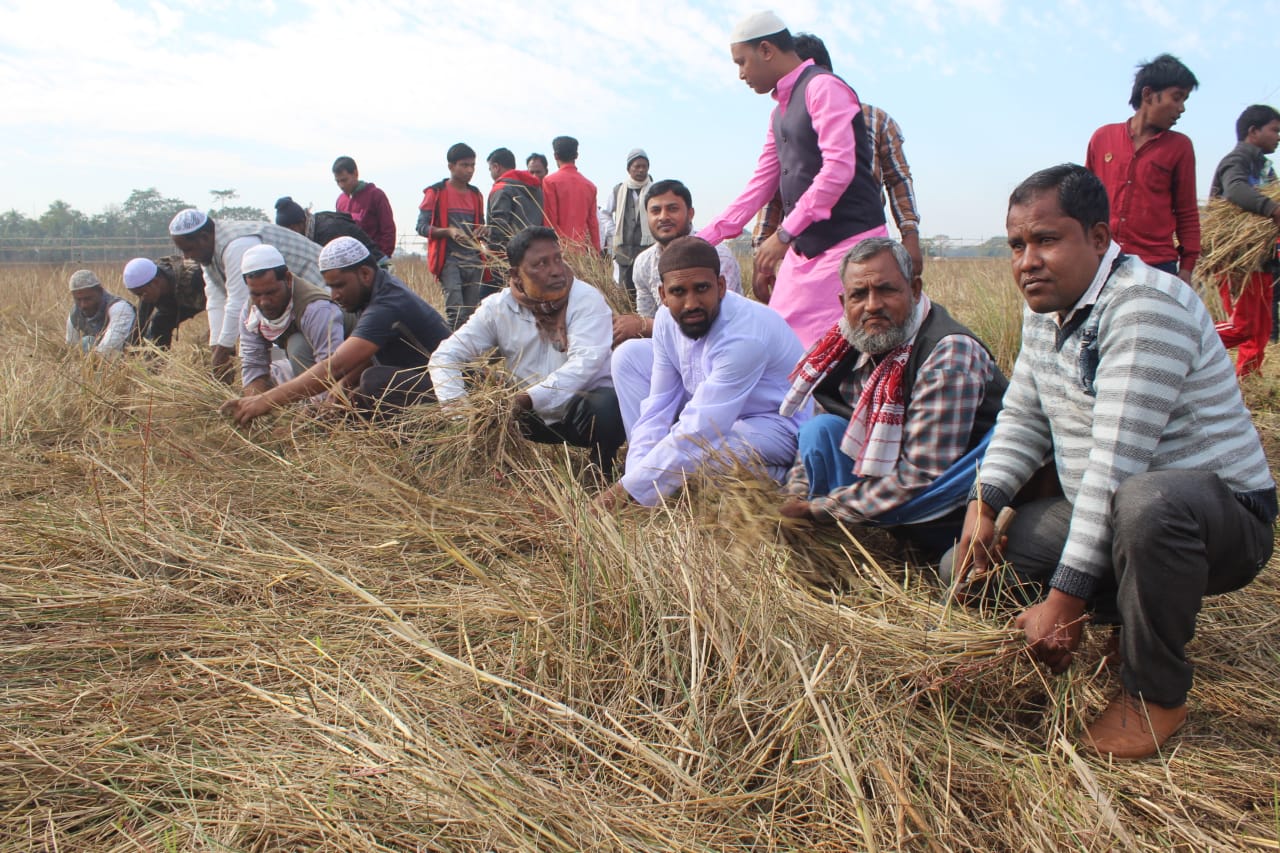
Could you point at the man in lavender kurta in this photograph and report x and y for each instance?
(287, 312)
(817, 152)
(720, 370)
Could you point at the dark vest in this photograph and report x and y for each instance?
(304, 294)
(938, 325)
(93, 326)
(858, 209)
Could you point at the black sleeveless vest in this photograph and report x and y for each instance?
(859, 209)
(938, 325)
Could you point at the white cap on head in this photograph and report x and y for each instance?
(187, 222)
(139, 272)
(84, 280)
(260, 258)
(756, 26)
(342, 252)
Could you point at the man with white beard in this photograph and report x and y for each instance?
(909, 398)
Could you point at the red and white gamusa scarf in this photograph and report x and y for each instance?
(874, 437)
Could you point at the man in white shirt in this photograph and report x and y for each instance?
(720, 369)
(219, 248)
(553, 331)
(99, 321)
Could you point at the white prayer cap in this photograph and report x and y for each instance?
(342, 252)
(756, 26)
(186, 222)
(139, 272)
(84, 280)
(260, 258)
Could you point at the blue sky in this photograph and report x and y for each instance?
(103, 97)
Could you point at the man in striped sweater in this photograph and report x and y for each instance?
(1124, 383)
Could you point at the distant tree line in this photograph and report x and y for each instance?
(140, 225)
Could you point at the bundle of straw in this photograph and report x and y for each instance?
(1235, 242)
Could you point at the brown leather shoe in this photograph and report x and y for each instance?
(1130, 728)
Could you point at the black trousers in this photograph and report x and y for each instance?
(386, 389)
(1177, 536)
(592, 420)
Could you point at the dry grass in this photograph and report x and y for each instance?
(1235, 242)
(419, 637)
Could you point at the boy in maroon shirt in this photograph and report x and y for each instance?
(1150, 171)
(366, 204)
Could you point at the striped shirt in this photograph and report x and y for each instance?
(889, 168)
(944, 400)
(1140, 382)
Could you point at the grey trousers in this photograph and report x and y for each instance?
(1177, 536)
(463, 288)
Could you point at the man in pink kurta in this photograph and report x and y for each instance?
(818, 153)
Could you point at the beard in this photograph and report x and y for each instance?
(695, 330)
(880, 342)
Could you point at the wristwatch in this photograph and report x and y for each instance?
(784, 236)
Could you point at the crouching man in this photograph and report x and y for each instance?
(553, 332)
(98, 322)
(287, 312)
(909, 397)
(1123, 380)
(719, 367)
(384, 359)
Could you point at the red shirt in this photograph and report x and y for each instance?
(371, 210)
(1152, 193)
(569, 200)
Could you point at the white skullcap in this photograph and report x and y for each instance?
(636, 154)
(260, 258)
(186, 222)
(139, 272)
(342, 252)
(756, 26)
(84, 280)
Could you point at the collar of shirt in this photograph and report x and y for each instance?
(782, 91)
(1095, 288)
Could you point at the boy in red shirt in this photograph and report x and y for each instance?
(452, 220)
(1150, 171)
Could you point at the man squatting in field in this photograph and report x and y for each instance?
(384, 359)
(909, 398)
(283, 311)
(170, 291)
(706, 388)
(219, 248)
(553, 333)
(1122, 377)
(98, 322)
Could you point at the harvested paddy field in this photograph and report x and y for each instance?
(311, 636)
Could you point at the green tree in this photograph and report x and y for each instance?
(14, 223)
(63, 220)
(240, 213)
(147, 212)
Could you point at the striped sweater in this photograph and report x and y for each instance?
(1142, 384)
